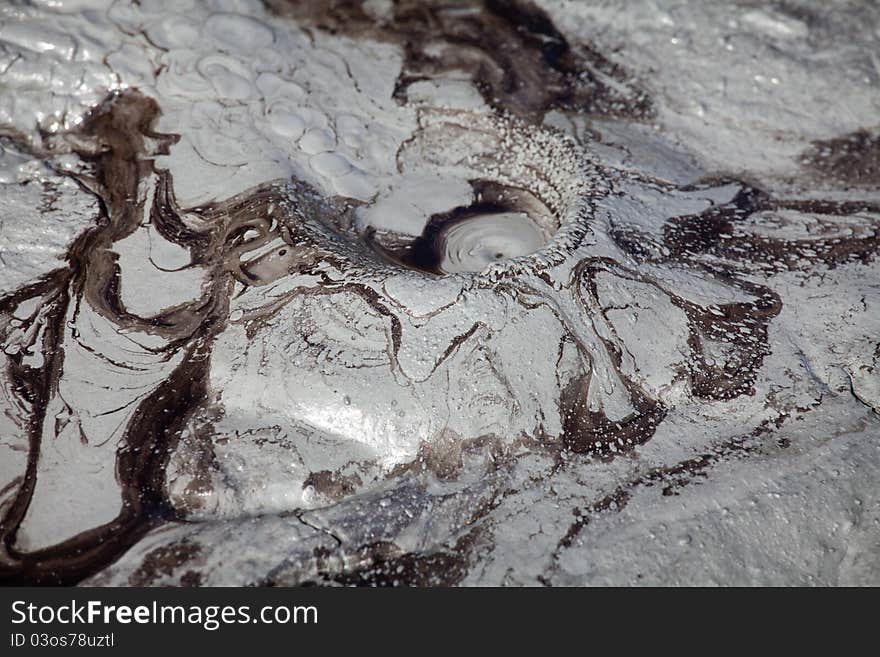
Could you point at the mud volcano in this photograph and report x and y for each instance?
(430, 293)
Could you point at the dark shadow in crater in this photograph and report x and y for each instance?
(428, 251)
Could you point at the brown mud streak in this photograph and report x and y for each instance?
(585, 431)
(118, 141)
(34, 385)
(518, 60)
(744, 326)
(852, 159)
(713, 232)
(672, 477)
(117, 132)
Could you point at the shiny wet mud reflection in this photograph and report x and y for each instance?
(369, 376)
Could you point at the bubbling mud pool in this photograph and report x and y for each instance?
(343, 293)
(471, 244)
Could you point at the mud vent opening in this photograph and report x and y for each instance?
(473, 243)
(502, 223)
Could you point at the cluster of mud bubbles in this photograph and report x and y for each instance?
(335, 402)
